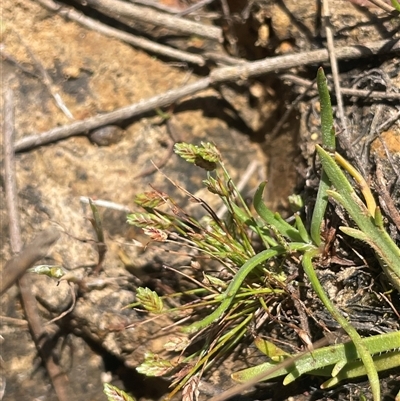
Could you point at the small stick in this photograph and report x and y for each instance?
(344, 137)
(32, 253)
(385, 195)
(194, 7)
(157, 5)
(273, 64)
(245, 177)
(345, 91)
(106, 204)
(58, 378)
(120, 114)
(13, 321)
(230, 35)
(370, 94)
(223, 59)
(13, 60)
(142, 43)
(388, 123)
(117, 9)
(9, 170)
(219, 75)
(334, 64)
(383, 5)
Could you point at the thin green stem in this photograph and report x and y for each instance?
(237, 281)
(233, 288)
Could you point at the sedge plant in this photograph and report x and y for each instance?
(222, 311)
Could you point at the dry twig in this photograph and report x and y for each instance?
(377, 95)
(106, 204)
(264, 66)
(344, 135)
(14, 322)
(230, 35)
(388, 122)
(32, 253)
(383, 5)
(121, 114)
(59, 380)
(194, 7)
(219, 75)
(118, 9)
(157, 5)
(334, 65)
(13, 60)
(385, 195)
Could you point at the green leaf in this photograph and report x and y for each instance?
(205, 156)
(321, 361)
(319, 209)
(214, 281)
(328, 142)
(369, 231)
(347, 327)
(153, 365)
(96, 222)
(273, 219)
(387, 360)
(395, 4)
(296, 202)
(150, 300)
(302, 229)
(270, 349)
(147, 220)
(151, 199)
(327, 130)
(176, 343)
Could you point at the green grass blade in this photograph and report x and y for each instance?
(347, 327)
(395, 4)
(371, 232)
(319, 209)
(270, 218)
(386, 361)
(328, 142)
(302, 229)
(327, 130)
(320, 358)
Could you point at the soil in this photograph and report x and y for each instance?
(45, 56)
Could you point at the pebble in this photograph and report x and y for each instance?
(107, 135)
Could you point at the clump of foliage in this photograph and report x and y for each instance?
(233, 303)
(222, 312)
